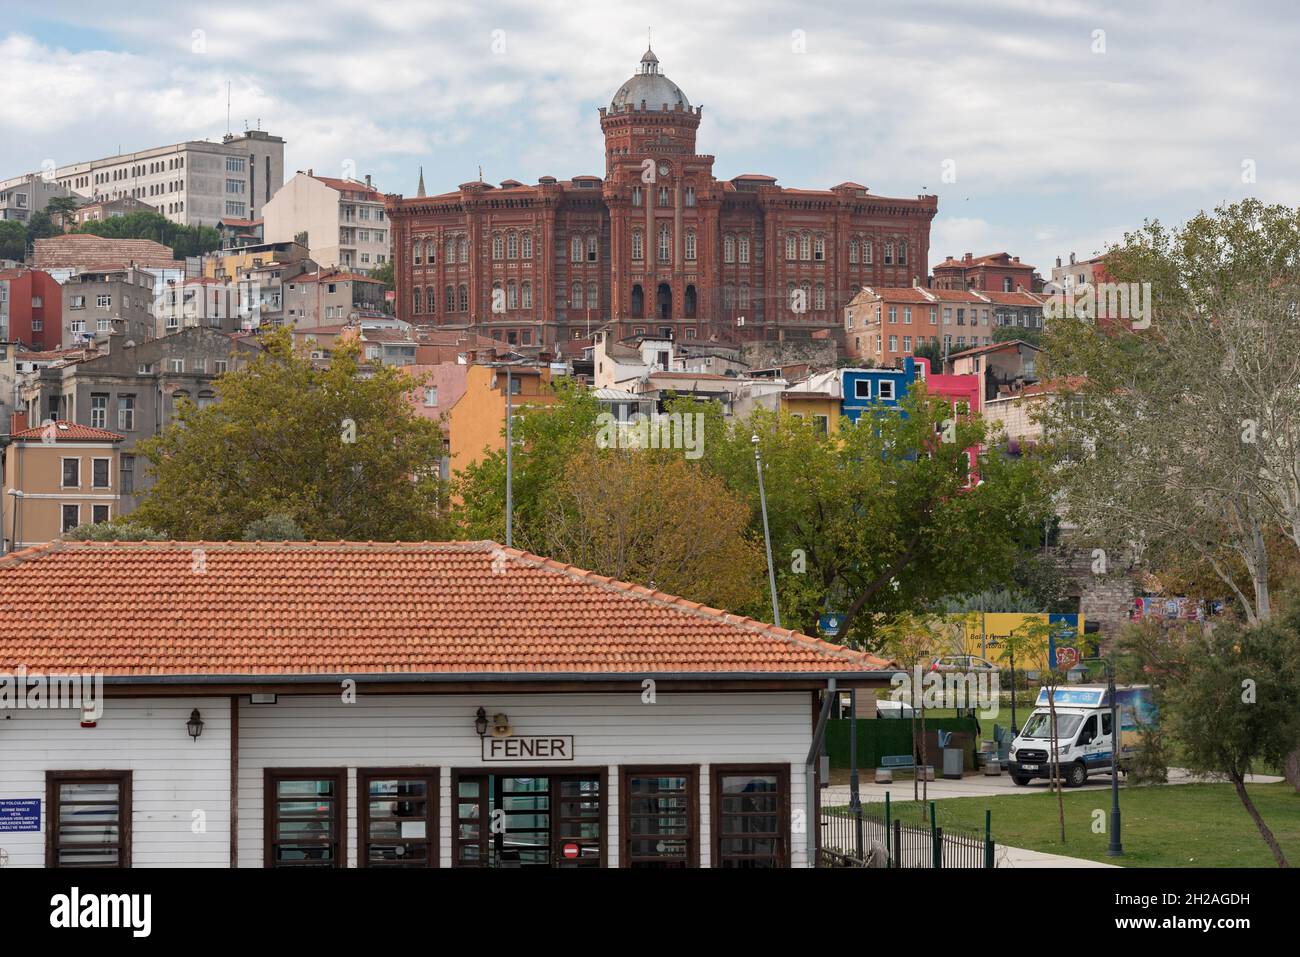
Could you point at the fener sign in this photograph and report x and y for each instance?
(548, 747)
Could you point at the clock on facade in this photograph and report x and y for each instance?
(663, 169)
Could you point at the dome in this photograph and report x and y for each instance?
(651, 86)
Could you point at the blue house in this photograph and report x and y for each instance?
(863, 389)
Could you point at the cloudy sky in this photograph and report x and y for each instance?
(1044, 127)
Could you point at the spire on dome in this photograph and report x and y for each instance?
(419, 190)
(649, 62)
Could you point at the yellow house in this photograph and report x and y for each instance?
(821, 407)
(58, 476)
(474, 424)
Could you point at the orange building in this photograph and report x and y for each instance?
(58, 476)
(474, 425)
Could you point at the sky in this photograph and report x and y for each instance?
(1044, 127)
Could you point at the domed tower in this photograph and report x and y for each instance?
(663, 208)
(649, 116)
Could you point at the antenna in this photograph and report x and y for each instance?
(227, 107)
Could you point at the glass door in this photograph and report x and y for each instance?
(528, 819)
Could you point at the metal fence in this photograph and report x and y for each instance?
(887, 835)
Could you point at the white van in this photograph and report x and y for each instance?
(1084, 735)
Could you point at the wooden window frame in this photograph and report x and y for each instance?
(125, 831)
(433, 783)
(782, 771)
(507, 770)
(692, 774)
(269, 778)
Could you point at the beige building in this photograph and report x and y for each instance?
(57, 476)
(344, 220)
(23, 196)
(195, 183)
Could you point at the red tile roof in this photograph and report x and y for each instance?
(70, 432)
(351, 186)
(363, 608)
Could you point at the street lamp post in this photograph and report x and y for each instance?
(767, 537)
(510, 449)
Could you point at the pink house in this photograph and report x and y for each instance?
(957, 389)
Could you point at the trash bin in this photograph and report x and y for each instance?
(952, 762)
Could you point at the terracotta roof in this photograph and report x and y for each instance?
(364, 608)
(85, 250)
(351, 186)
(995, 347)
(70, 432)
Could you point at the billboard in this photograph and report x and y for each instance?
(989, 630)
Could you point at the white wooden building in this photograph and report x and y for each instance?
(426, 705)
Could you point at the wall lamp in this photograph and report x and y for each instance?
(195, 724)
(480, 722)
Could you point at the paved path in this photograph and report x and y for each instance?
(980, 785)
(1022, 857)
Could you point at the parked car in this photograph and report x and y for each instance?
(962, 663)
(889, 708)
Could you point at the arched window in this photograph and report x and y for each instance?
(853, 250)
(498, 246)
(528, 245)
(450, 253)
(744, 296)
(526, 295)
(512, 246)
(866, 251)
(430, 300)
(665, 245)
(728, 297)
(593, 249)
(462, 297)
(819, 249)
(593, 295)
(416, 300)
(575, 249)
(512, 295)
(791, 300)
(638, 245)
(889, 253)
(690, 245)
(806, 288)
(449, 299)
(790, 241)
(819, 298)
(464, 257)
(575, 296)
(744, 249)
(430, 252)
(902, 252)
(498, 301)
(805, 247)
(728, 249)
(416, 252)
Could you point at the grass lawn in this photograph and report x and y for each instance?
(1182, 825)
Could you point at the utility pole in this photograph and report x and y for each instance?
(767, 536)
(510, 449)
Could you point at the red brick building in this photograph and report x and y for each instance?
(657, 245)
(31, 308)
(996, 272)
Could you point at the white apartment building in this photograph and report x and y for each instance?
(23, 196)
(344, 220)
(196, 183)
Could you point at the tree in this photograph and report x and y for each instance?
(41, 226)
(881, 517)
(146, 224)
(913, 640)
(276, 527)
(1010, 333)
(61, 209)
(384, 273)
(1184, 439)
(1237, 705)
(341, 454)
(13, 240)
(122, 530)
(1031, 642)
(607, 515)
(931, 350)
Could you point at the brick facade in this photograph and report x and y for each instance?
(659, 244)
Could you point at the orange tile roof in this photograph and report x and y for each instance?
(65, 431)
(132, 609)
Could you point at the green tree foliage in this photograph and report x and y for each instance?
(277, 527)
(183, 240)
(119, 531)
(13, 240)
(1237, 705)
(1008, 333)
(342, 455)
(877, 519)
(932, 351)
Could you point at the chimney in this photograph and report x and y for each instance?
(17, 421)
(369, 185)
(968, 257)
(1058, 262)
(311, 172)
(1071, 259)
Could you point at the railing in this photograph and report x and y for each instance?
(913, 835)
